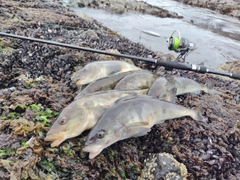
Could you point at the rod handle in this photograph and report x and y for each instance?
(235, 76)
(173, 65)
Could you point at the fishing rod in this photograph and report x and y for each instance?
(169, 65)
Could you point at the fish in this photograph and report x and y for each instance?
(106, 83)
(164, 87)
(133, 116)
(82, 114)
(136, 80)
(186, 85)
(100, 69)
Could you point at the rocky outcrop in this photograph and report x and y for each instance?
(228, 7)
(122, 6)
(163, 166)
(233, 66)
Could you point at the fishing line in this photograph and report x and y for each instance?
(166, 64)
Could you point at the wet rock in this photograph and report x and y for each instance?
(117, 8)
(109, 57)
(121, 6)
(233, 66)
(89, 35)
(235, 13)
(85, 17)
(228, 7)
(163, 166)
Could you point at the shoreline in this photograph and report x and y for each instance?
(226, 7)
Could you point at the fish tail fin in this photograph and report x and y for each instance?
(197, 114)
(171, 95)
(213, 91)
(210, 86)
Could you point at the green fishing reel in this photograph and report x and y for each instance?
(180, 45)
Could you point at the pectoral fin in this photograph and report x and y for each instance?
(138, 129)
(210, 87)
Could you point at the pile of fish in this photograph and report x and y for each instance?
(119, 101)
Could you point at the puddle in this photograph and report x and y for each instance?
(197, 26)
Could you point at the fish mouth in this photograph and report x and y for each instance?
(80, 81)
(56, 139)
(93, 150)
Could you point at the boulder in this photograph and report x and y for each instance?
(163, 166)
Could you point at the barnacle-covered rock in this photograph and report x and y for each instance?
(163, 166)
(229, 7)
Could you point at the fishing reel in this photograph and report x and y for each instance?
(180, 45)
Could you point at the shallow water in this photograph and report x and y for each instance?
(197, 26)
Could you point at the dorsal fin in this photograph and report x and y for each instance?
(171, 79)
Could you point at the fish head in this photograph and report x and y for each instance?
(86, 75)
(101, 137)
(71, 122)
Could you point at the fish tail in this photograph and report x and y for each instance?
(210, 89)
(197, 114)
(171, 95)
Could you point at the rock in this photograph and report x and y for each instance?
(121, 6)
(108, 57)
(89, 34)
(236, 13)
(85, 17)
(232, 66)
(118, 8)
(228, 7)
(163, 166)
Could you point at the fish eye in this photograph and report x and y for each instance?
(100, 134)
(62, 121)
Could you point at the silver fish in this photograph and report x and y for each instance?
(133, 117)
(83, 114)
(163, 90)
(136, 80)
(163, 86)
(100, 69)
(106, 83)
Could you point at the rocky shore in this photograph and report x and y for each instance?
(35, 85)
(123, 6)
(228, 7)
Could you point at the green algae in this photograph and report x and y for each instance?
(7, 151)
